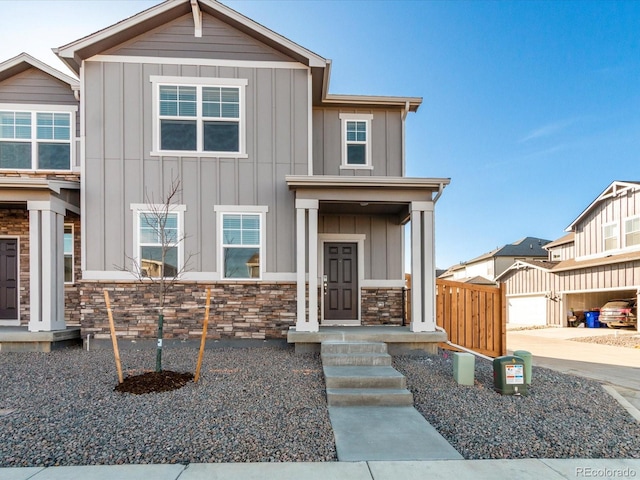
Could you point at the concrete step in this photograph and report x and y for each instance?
(344, 397)
(363, 377)
(353, 347)
(356, 359)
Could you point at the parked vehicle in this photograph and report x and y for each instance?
(619, 313)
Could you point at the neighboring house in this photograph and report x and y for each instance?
(39, 195)
(485, 268)
(293, 200)
(598, 260)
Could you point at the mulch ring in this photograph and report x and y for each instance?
(153, 382)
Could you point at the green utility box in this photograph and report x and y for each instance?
(508, 375)
(464, 368)
(527, 358)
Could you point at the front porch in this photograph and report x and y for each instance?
(399, 340)
(20, 339)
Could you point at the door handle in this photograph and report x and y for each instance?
(324, 284)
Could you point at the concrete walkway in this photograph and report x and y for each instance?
(387, 433)
(553, 348)
(528, 469)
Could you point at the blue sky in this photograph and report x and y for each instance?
(531, 107)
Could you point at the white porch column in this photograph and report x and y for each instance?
(307, 322)
(46, 265)
(422, 267)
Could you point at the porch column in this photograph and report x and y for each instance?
(307, 322)
(423, 318)
(46, 265)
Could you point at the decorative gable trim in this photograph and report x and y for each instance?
(24, 61)
(616, 188)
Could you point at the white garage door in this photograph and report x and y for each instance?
(527, 310)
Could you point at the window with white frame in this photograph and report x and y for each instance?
(158, 240)
(241, 238)
(199, 115)
(356, 140)
(610, 236)
(68, 253)
(632, 232)
(35, 140)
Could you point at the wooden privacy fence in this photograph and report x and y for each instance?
(474, 316)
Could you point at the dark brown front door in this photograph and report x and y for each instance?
(8, 279)
(341, 289)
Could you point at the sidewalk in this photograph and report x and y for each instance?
(528, 469)
(552, 348)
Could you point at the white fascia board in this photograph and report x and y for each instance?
(207, 62)
(68, 51)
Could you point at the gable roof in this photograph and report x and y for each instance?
(568, 238)
(24, 61)
(525, 247)
(75, 52)
(614, 189)
(543, 265)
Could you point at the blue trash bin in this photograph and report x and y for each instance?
(591, 319)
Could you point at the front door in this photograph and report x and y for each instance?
(8, 279)
(340, 281)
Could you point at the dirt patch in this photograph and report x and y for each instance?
(153, 382)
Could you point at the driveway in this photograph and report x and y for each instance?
(553, 348)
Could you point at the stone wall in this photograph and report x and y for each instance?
(72, 291)
(382, 306)
(247, 310)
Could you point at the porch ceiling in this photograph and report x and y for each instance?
(366, 195)
(20, 190)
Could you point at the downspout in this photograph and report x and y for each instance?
(460, 347)
(405, 112)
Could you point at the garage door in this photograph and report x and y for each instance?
(527, 310)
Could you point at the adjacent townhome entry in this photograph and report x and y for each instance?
(340, 281)
(8, 279)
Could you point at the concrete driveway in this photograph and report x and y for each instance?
(553, 348)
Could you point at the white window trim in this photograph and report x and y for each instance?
(34, 109)
(141, 208)
(624, 233)
(358, 117)
(616, 229)
(220, 211)
(73, 254)
(157, 81)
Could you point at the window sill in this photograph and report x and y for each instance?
(182, 153)
(356, 167)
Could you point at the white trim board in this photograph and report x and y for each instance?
(205, 62)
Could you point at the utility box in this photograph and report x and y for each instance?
(528, 367)
(464, 368)
(508, 375)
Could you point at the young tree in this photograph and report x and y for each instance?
(157, 264)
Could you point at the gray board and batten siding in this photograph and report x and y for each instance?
(35, 87)
(589, 231)
(386, 142)
(121, 171)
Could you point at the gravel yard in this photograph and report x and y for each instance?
(618, 339)
(268, 404)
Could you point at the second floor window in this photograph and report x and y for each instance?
(632, 232)
(356, 140)
(35, 140)
(610, 236)
(198, 117)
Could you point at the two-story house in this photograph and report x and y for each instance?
(292, 201)
(485, 268)
(39, 195)
(598, 260)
